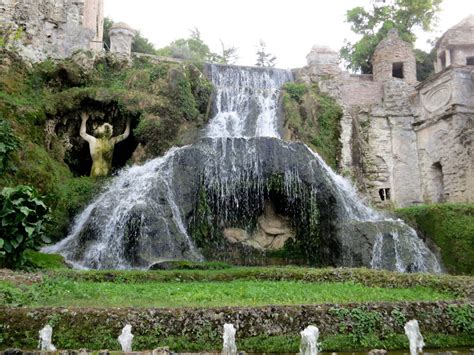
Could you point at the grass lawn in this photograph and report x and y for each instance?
(69, 293)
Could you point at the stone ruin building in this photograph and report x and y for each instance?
(55, 28)
(403, 142)
(406, 142)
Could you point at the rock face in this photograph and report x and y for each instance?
(145, 215)
(273, 231)
(54, 29)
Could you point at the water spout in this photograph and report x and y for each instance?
(412, 331)
(125, 339)
(229, 347)
(309, 341)
(45, 336)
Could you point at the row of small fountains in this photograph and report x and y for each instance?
(309, 339)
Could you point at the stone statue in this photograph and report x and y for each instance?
(102, 145)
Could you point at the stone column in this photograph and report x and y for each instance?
(438, 66)
(121, 37)
(93, 19)
(448, 57)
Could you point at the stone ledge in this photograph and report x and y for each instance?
(84, 325)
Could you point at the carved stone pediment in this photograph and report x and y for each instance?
(438, 96)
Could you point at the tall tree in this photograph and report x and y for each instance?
(191, 48)
(264, 59)
(374, 24)
(228, 55)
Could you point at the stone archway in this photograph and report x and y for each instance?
(437, 182)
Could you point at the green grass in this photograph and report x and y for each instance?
(461, 286)
(37, 260)
(67, 293)
(451, 227)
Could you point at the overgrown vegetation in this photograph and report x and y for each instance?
(313, 118)
(40, 108)
(451, 227)
(23, 222)
(373, 25)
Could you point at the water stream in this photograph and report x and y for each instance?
(144, 215)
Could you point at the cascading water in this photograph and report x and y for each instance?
(147, 212)
(246, 101)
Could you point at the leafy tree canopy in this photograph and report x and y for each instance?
(192, 48)
(374, 24)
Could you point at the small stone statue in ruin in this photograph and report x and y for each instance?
(102, 145)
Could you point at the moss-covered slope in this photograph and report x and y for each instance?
(451, 227)
(41, 105)
(313, 118)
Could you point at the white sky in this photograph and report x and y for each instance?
(289, 28)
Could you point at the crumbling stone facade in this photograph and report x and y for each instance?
(121, 38)
(54, 28)
(406, 142)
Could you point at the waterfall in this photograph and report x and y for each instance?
(246, 101)
(116, 210)
(144, 215)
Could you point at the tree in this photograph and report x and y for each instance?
(192, 48)
(141, 44)
(107, 26)
(264, 59)
(424, 63)
(374, 24)
(228, 55)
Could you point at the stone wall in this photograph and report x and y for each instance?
(402, 144)
(445, 131)
(89, 327)
(390, 52)
(54, 28)
(93, 19)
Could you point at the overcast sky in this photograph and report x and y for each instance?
(289, 27)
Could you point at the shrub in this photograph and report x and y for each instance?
(24, 216)
(296, 91)
(8, 144)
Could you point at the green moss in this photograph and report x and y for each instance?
(451, 227)
(37, 260)
(313, 118)
(162, 99)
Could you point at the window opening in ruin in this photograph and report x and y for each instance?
(437, 180)
(470, 61)
(384, 194)
(397, 70)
